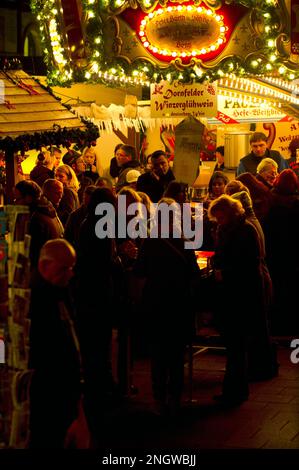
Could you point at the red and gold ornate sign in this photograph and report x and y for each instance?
(184, 31)
(143, 41)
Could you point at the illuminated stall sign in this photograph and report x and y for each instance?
(178, 99)
(139, 42)
(182, 31)
(232, 110)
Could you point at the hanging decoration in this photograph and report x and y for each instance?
(250, 38)
(21, 84)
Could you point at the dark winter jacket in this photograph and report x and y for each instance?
(54, 357)
(114, 169)
(44, 225)
(69, 202)
(73, 224)
(152, 186)
(250, 162)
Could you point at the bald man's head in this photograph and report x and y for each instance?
(56, 262)
(53, 190)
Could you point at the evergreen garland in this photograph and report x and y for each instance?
(64, 137)
(117, 71)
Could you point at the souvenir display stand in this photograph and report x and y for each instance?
(14, 327)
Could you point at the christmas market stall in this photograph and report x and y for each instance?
(246, 51)
(31, 117)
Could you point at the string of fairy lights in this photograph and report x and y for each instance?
(116, 71)
(273, 93)
(55, 49)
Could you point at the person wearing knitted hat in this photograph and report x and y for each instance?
(70, 157)
(44, 168)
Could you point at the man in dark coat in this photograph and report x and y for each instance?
(44, 223)
(259, 150)
(54, 351)
(154, 182)
(126, 158)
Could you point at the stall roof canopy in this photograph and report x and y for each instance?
(29, 109)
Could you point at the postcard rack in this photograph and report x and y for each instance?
(14, 326)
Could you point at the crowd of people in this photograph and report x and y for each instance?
(150, 288)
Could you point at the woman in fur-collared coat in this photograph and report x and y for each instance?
(239, 280)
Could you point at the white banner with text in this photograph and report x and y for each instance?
(179, 99)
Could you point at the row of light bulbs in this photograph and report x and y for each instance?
(250, 86)
(243, 98)
(112, 77)
(48, 15)
(189, 9)
(292, 86)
